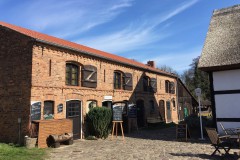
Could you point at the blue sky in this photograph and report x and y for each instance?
(171, 32)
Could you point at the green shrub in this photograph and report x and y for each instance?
(99, 121)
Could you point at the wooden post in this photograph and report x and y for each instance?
(115, 123)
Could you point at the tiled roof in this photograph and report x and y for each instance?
(221, 50)
(80, 48)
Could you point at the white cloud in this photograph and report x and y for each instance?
(67, 18)
(137, 34)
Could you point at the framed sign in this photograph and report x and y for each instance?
(60, 108)
(122, 105)
(117, 113)
(35, 110)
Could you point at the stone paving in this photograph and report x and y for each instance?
(157, 144)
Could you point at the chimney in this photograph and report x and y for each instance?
(151, 64)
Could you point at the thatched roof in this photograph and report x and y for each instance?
(221, 50)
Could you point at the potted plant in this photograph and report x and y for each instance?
(31, 140)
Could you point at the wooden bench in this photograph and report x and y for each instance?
(55, 140)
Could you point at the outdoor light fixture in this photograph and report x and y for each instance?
(19, 130)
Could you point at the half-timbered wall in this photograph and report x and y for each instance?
(227, 98)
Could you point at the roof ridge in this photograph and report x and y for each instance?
(226, 10)
(79, 47)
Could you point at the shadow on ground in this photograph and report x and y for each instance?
(206, 156)
(164, 134)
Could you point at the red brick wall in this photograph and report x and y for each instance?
(48, 127)
(53, 87)
(25, 71)
(15, 73)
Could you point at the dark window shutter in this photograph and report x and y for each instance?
(89, 76)
(128, 82)
(172, 88)
(153, 84)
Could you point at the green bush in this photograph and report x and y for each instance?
(99, 121)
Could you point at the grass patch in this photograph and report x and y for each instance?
(11, 152)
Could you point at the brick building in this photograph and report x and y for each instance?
(43, 77)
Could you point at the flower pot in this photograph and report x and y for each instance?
(30, 142)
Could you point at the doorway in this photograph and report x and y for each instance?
(73, 111)
(169, 112)
(140, 113)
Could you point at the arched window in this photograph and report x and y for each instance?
(72, 74)
(91, 104)
(146, 83)
(118, 80)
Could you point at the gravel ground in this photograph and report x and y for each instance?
(159, 144)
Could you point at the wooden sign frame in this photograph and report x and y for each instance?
(182, 132)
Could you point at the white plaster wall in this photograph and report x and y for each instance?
(227, 106)
(226, 80)
(227, 125)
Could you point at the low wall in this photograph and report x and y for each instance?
(54, 126)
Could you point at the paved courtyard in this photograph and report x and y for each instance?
(157, 144)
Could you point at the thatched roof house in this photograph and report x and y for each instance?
(221, 59)
(221, 50)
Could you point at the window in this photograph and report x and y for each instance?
(170, 87)
(72, 74)
(91, 104)
(118, 80)
(146, 84)
(48, 109)
(73, 108)
(167, 86)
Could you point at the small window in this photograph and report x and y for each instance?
(118, 80)
(48, 109)
(91, 104)
(72, 72)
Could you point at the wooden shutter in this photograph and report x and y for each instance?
(153, 84)
(172, 87)
(128, 82)
(89, 76)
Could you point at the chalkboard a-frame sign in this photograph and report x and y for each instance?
(182, 132)
(117, 113)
